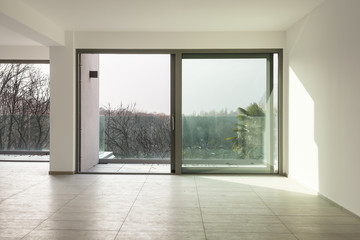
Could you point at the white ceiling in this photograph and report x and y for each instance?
(172, 15)
(11, 38)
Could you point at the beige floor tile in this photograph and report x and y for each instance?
(249, 236)
(128, 178)
(171, 178)
(70, 235)
(297, 204)
(110, 197)
(164, 218)
(218, 203)
(13, 233)
(292, 200)
(324, 228)
(239, 218)
(25, 214)
(89, 216)
(58, 189)
(29, 207)
(206, 189)
(327, 236)
(42, 197)
(96, 209)
(161, 235)
(310, 211)
(232, 199)
(118, 184)
(319, 220)
(19, 223)
(102, 225)
(236, 227)
(165, 210)
(168, 196)
(91, 204)
(244, 210)
(180, 214)
(110, 191)
(6, 193)
(130, 226)
(167, 203)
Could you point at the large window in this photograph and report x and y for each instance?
(193, 111)
(24, 107)
(134, 106)
(228, 113)
(125, 113)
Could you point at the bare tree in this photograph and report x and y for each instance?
(120, 124)
(24, 107)
(133, 134)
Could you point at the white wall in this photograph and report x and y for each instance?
(89, 112)
(24, 53)
(180, 40)
(63, 118)
(324, 113)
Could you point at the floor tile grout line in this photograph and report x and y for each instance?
(52, 214)
(277, 216)
(29, 192)
(201, 214)
(132, 205)
(24, 189)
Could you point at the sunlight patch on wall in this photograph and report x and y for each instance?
(303, 150)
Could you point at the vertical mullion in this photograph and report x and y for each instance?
(78, 112)
(178, 114)
(280, 113)
(271, 111)
(172, 112)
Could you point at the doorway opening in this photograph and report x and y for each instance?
(125, 113)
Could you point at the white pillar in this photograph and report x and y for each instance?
(62, 107)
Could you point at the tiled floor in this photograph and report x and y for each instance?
(35, 205)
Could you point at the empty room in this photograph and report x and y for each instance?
(179, 119)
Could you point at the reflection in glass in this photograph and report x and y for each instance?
(226, 115)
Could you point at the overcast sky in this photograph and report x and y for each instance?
(218, 84)
(44, 68)
(208, 84)
(133, 78)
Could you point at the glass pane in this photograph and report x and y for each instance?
(134, 112)
(226, 109)
(275, 111)
(24, 107)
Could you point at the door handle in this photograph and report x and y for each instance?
(173, 122)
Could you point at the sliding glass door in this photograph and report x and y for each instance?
(229, 113)
(125, 113)
(178, 112)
